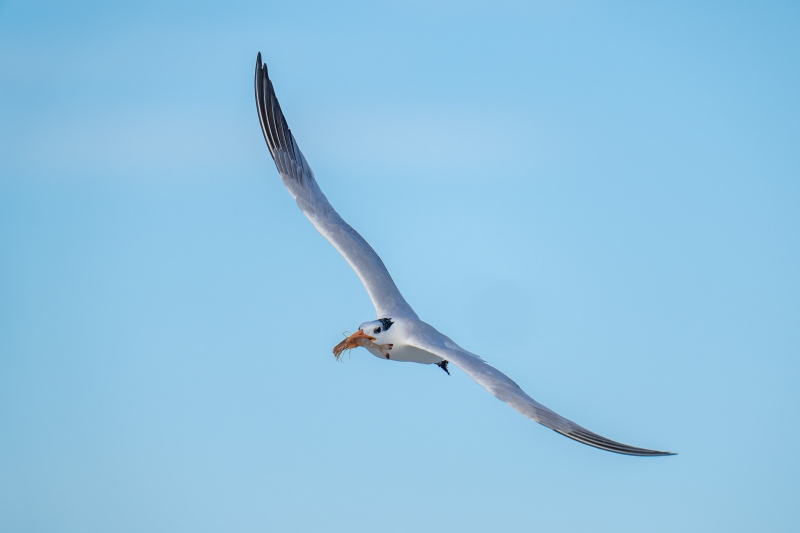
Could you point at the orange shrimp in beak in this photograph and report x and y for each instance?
(359, 338)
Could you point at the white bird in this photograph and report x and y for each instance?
(398, 334)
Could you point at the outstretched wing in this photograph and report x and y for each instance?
(505, 389)
(299, 179)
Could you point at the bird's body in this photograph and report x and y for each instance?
(395, 341)
(398, 334)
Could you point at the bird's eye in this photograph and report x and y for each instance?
(376, 330)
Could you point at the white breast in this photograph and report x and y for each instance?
(405, 353)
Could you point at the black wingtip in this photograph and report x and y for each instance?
(585, 436)
(260, 65)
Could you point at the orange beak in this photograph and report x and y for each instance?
(352, 341)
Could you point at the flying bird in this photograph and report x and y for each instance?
(398, 334)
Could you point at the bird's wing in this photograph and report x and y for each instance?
(506, 390)
(299, 179)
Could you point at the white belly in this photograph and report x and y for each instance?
(407, 354)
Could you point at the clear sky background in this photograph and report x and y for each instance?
(600, 199)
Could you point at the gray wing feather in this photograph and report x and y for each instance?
(505, 389)
(299, 180)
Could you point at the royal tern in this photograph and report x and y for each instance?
(398, 334)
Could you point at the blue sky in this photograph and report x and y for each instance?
(600, 199)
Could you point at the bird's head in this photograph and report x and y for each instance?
(369, 333)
